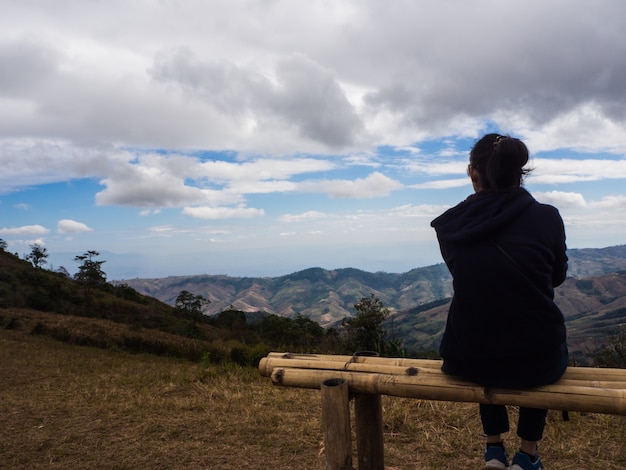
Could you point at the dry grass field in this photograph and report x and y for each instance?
(73, 407)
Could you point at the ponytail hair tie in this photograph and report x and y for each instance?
(499, 138)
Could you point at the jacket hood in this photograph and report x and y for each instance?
(481, 215)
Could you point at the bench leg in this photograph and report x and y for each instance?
(368, 413)
(336, 423)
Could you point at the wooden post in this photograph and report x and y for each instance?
(336, 423)
(368, 414)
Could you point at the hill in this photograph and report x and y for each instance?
(51, 304)
(89, 311)
(328, 296)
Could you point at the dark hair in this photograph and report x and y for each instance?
(500, 160)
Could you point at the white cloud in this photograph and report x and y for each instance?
(260, 169)
(550, 171)
(617, 203)
(442, 184)
(586, 127)
(213, 213)
(71, 226)
(302, 95)
(305, 216)
(434, 168)
(154, 181)
(561, 199)
(374, 185)
(24, 230)
(421, 210)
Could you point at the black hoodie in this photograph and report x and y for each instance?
(506, 253)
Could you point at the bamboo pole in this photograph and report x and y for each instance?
(266, 365)
(356, 358)
(336, 421)
(430, 387)
(423, 365)
(595, 373)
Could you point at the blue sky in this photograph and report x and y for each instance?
(257, 138)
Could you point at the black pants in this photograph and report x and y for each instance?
(530, 424)
(532, 421)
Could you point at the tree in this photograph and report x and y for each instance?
(3, 245)
(613, 354)
(90, 271)
(365, 330)
(190, 303)
(37, 255)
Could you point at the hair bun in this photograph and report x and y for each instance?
(500, 159)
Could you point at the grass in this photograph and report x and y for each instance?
(66, 406)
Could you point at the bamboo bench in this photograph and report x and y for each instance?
(366, 377)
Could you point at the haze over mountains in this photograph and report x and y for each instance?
(593, 298)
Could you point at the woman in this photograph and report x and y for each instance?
(506, 253)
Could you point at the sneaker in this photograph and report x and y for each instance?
(496, 458)
(522, 461)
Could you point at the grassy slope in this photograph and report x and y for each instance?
(42, 302)
(72, 407)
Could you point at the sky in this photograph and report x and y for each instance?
(263, 137)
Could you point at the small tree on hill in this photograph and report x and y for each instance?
(190, 303)
(37, 255)
(365, 331)
(90, 271)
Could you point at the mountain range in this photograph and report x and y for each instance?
(593, 298)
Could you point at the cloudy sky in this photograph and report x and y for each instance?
(261, 137)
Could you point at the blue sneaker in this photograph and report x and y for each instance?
(496, 458)
(522, 461)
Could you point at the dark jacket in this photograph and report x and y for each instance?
(506, 253)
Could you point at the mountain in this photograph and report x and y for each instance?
(587, 262)
(325, 296)
(593, 298)
(328, 296)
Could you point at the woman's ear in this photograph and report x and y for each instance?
(475, 177)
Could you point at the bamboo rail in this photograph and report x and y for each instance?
(574, 376)
(584, 389)
(556, 396)
(428, 365)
